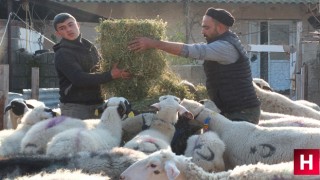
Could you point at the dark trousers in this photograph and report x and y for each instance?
(251, 115)
(80, 111)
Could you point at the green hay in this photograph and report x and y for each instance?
(152, 77)
(147, 66)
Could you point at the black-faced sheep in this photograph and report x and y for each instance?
(17, 107)
(106, 135)
(10, 139)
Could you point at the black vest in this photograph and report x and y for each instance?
(230, 86)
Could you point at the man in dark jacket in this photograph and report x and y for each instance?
(76, 61)
(226, 65)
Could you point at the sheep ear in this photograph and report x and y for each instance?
(30, 106)
(184, 112)
(171, 170)
(7, 108)
(156, 105)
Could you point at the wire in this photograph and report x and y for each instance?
(5, 29)
(32, 28)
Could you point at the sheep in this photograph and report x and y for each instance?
(165, 165)
(278, 103)
(291, 121)
(131, 126)
(162, 130)
(264, 85)
(36, 139)
(109, 163)
(248, 143)
(309, 104)
(106, 135)
(184, 128)
(269, 115)
(10, 139)
(63, 174)
(17, 107)
(206, 151)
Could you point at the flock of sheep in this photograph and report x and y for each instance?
(161, 145)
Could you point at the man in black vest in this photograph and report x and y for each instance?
(226, 65)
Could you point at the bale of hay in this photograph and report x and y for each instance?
(146, 67)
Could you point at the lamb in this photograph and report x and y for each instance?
(165, 165)
(36, 139)
(162, 130)
(278, 103)
(264, 85)
(269, 115)
(206, 151)
(63, 174)
(309, 104)
(17, 107)
(291, 121)
(10, 139)
(109, 163)
(106, 135)
(247, 143)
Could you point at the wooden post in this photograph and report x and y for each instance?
(4, 89)
(35, 83)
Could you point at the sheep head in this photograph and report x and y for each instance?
(160, 165)
(37, 114)
(169, 107)
(124, 106)
(18, 106)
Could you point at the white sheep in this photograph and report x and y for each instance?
(165, 165)
(269, 115)
(247, 143)
(10, 139)
(206, 151)
(63, 174)
(278, 103)
(106, 135)
(109, 163)
(36, 139)
(131, 126)
(309, 104)
(162, 129)
(17, 107)
(293, 121)
(264, 85)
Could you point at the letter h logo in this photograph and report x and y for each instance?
(306, 162)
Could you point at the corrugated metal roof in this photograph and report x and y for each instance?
(212, 1)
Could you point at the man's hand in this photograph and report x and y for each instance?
(141, 43)
(117, 73)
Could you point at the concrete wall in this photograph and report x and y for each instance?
(192, 73)
(310, 56)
